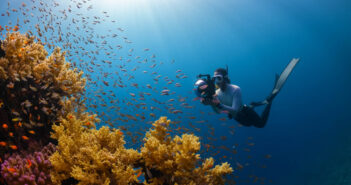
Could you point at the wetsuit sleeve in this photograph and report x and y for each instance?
(236, 104)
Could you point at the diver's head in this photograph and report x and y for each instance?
(221, 77)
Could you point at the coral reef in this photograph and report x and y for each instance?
(174, 159)
(2, 52)
(31, 169)
(41, 102)
(25, 58)
(98, 156)
(34, 88)
(91, 156)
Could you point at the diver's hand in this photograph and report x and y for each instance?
(215, 101)
(205, 101)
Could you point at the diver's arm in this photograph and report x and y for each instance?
(231, 110)
(213, 106)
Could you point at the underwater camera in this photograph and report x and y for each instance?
(205, 87)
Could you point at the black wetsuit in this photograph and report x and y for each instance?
(248, 117)
(231, 102)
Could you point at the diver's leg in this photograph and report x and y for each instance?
(248, 117)
(242, 116)
(264, 116)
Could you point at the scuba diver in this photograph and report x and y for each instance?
(227, 98)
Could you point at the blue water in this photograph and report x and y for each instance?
(308, 127)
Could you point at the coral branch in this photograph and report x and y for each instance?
(28, 169)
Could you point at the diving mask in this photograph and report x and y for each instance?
(218, 78)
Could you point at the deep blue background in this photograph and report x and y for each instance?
(309, 122)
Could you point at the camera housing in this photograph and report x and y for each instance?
(205, 86)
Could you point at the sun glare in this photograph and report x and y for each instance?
(121, 3)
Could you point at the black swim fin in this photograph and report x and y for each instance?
(279, 82)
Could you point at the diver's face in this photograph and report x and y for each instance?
(219, 79)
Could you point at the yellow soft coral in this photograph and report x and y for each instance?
(36, 86)
(91, 156)
(98, 156)
(75, 106)
(23, 53)
(29, 60)
(56, 70)
(176, 158)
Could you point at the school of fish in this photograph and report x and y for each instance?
(127, 87)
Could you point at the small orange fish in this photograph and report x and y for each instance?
(31, 132)
(13, 147)
(225, 112)
(3, 143)
(16, 28)
(25, 138)
(11, 134)
(240, 166)
(5, 126)
(251, 144)
(29, 163)
(12, 170)
(196, 98)
(19, 124)
(138, 175)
